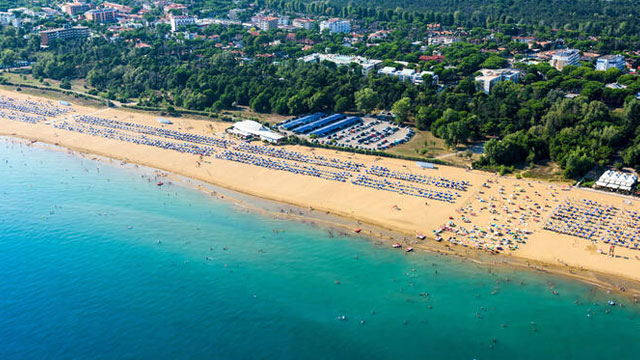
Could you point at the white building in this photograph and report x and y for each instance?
(490, 77)
(304, 23)
(248, 129)
(264, 22)
(22, 10)
(443, 40)
(607, 62)
(234, 14)
(283, 20)
(7, 18)
(614, 180)
(565, 57)
(342, 60)
(335, 26)
(616, 86)
(180, 21)
(407, 74)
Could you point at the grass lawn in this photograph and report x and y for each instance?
(422, 144)
(53, 95)
(246, 113)
(547, 171)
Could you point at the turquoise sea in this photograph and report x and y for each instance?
(97, 262)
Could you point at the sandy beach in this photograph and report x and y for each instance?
(492, 208)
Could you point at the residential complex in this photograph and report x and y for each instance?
(565, 57)
(265, 23)
(443, 40)
(76, 32)
(101, 15)
(342, 60)
(284, 20)
(75, 8)
(408, 74)
(7, 18)
(234, 14)
(378, 35)
(336, 26)
(490, 77)
(607, 62)
(122, 9)
(179, 8)
(180, 21)
(304, 23)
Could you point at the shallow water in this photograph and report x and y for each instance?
(98, 262)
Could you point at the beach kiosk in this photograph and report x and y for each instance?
(249, 129)
(617, 181)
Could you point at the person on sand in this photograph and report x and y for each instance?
(612, 250)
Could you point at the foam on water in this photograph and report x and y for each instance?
(98, 262)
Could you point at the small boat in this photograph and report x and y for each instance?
(611, 302)
(357, 231)
(409, 249)
(396, 245)
(160, 183)
(420, 236)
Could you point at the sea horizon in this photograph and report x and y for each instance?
(101, 262)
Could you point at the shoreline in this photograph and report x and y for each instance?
(343, 225)
(489, 212)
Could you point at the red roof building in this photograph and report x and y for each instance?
(438, 58)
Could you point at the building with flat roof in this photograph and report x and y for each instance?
(248, 129)
(7, 18)
(122, 9)
(341, 60)
(175, 8)
(234, 14)
(65, 33)
(607, 62)
(336, 25)
(303, 23)
(265, 23)
(180, 21)
(284, 20)
(75, 8)
(443, 40)
(491, 77)
(564, 58)
(408, 74)
(105, 15)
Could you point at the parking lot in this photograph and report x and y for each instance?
(371, 134)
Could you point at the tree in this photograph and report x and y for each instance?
(366, 99)
(457, 132)
(508, 151)
(494, 62)
(631, 116)
(401, 109)
(425, 115)
(261, 103)
(8, 57)
(596, 112)
(577, 164)
(342, 104)
(65, 84)
(297, 104)
(631, 156)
